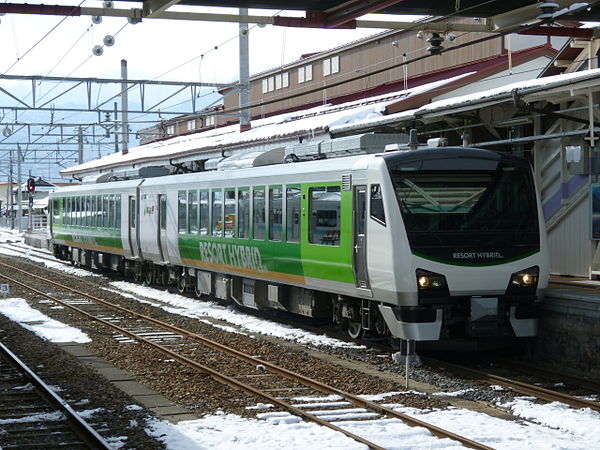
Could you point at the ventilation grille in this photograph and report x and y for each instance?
(346, 182)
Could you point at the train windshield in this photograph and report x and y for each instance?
(487, 205)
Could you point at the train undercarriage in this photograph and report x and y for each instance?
(354, 315)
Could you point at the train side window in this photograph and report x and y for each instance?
(258, 213)
(217, 213)
(105, 211)
(243, 213)
(325, 205)
(377, 211)
(99, 211)
(204, 210)
(293, 213)
(111, 211)
(93, 211)
(132, 212)
(230, 213)
(85, 204)
(193, 212)
(55, 210)
(67, 211)
(275, 213)
(78, 209)
(182, 212)
(163, 211)
(118, 211)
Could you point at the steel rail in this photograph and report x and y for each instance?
(436, 431)
(79, 426)
(517, 386)
(217, 376)
(546, 372)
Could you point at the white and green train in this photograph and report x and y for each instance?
(426, 245)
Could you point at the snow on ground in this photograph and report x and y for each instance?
(279, 430)
(549, 426)
(189, 307)
(17, 239)
(17, 310)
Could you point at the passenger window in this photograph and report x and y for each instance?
(111, 211)
(243, 213)
(118, 212)
(275, 213)
(193, 212)
(93, 211)
(325, 204)
(105, 211)
(55, 210)
(293, 213)
(88, 211)
(182, 212)
(163, 212)
(377, 211)
(132, 212)
(79, 214)
(99, 211)
(258, 213)
(217, 213)
(204, 219)
(229, 213)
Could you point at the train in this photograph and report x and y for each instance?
(430, 245)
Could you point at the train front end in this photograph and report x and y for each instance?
(478, 264)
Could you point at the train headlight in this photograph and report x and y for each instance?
(524, 282)
(430, 281)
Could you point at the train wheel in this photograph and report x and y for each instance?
(355, 329)
(164, 276)
(197, 292)
(149, 276)
(181, 284)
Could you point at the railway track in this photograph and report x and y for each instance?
(519, 386)
(34, 416)
(254, 376)
(27, 251)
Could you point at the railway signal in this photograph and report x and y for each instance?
(31, 185)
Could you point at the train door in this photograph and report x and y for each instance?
(133, 227)
(360, 237)
(162, 227)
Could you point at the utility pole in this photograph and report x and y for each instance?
(115, 128)
(80, 144)
(19, 192)
(124, 108)
(10, 193)
(244, 73)
(30, 207)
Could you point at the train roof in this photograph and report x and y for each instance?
(308, 167)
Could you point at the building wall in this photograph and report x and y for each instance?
(565, 199)
(380, 53)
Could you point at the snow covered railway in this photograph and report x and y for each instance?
(426, 245)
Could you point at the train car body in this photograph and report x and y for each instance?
(425, 245)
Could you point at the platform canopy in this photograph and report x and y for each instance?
(495, 15)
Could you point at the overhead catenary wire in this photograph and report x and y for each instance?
(369, 74)
(60, 22)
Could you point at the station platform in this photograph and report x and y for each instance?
(37, 238)
(569, 332)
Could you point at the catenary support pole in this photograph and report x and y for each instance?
(244, 73)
